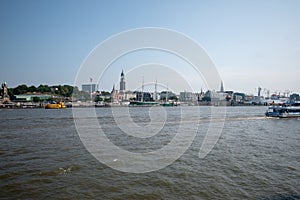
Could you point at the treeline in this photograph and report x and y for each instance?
(57, 90)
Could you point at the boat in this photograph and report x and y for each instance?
(53, 105)
(283, 111)
(143, 103)
(167, 104)
(99, 104)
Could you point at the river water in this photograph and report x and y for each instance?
(43, 157)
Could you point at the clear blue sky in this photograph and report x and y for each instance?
(253, 43)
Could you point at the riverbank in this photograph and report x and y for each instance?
(31, 105)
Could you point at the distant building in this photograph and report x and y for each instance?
(200, 95)
(122, 92)
(229, 95)
(187, 97)
(256, 100)
(259, 91)
(214, 96)
(143, 96)
(239, 97)
(32, 97)
(129, 95)
(114, 95)
(167, 95)
(295, 97)
(275, 97)
(121, 95)
(90, 88)
(122, 83)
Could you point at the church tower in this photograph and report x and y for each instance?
(222, 87)
(122, 83)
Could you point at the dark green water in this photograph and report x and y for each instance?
(42, 157)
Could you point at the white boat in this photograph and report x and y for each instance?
(283, 111)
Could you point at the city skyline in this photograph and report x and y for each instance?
(252, 43)
(155, 86)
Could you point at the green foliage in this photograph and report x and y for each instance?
(50, 99)
(173, 97)
(21, 89)
(11, 93)
(98, 98)
(63, 90)
(205, 98)
(108, 99)
(44, 89)
(105, 93)
(36, 99)
(57, 90)
(32, 89)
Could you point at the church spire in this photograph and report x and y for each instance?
(222, 87)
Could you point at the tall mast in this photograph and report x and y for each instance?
(167, 93)
(143, 89)
(91, 86)
(155, 92)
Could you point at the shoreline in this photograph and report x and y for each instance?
(31, 105)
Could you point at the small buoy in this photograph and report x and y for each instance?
(115, 160)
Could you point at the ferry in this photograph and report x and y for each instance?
(283, 111)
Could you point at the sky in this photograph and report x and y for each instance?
(253, 43)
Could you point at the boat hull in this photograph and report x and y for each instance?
(143, 104)
(55, 106)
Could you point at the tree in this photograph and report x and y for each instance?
(173, 97)
(20, 89)
(44, 89)
(36, 99)
(108, 99)
(69, 90)
(32, 89)
(59, 90)
(206, 98)
(63, 90)
(105, 93)
(98, 98)
(11, 93)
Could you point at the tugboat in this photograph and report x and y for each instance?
(54, 105)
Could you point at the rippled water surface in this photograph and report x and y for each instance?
(42, 157)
